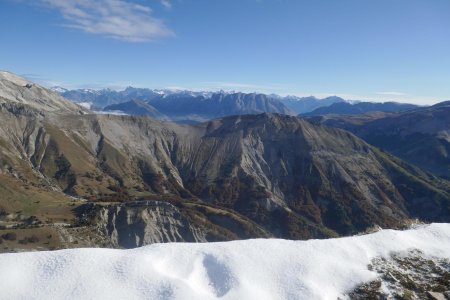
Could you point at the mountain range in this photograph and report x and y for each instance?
(420, 136)
(127, 181)
(192, 107)
(345, 108)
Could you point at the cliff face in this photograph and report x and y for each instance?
(134, 225)
(138, 223)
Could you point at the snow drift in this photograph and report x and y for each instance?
(252, 269)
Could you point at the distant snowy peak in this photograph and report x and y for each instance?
(58, 89)
(88, 91)
(62, 90)
(93, 91)
(309, 98)
(168, 92)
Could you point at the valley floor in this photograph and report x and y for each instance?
(343, 268)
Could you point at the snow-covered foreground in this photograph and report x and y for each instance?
(253, 269)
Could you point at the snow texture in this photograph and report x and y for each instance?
(252, 269)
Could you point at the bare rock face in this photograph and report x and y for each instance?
(15, 89)
(137, 224)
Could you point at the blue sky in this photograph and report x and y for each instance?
(358, 49)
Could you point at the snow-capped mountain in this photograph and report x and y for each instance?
(177, 105)
(58, 89)
(102, 99)
(105, 97)
(187, 106)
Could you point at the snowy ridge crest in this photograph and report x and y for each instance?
(252, 269)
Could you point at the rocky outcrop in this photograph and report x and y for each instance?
(406, 275)
(15, 89)
(136, 224)
(142, 222)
